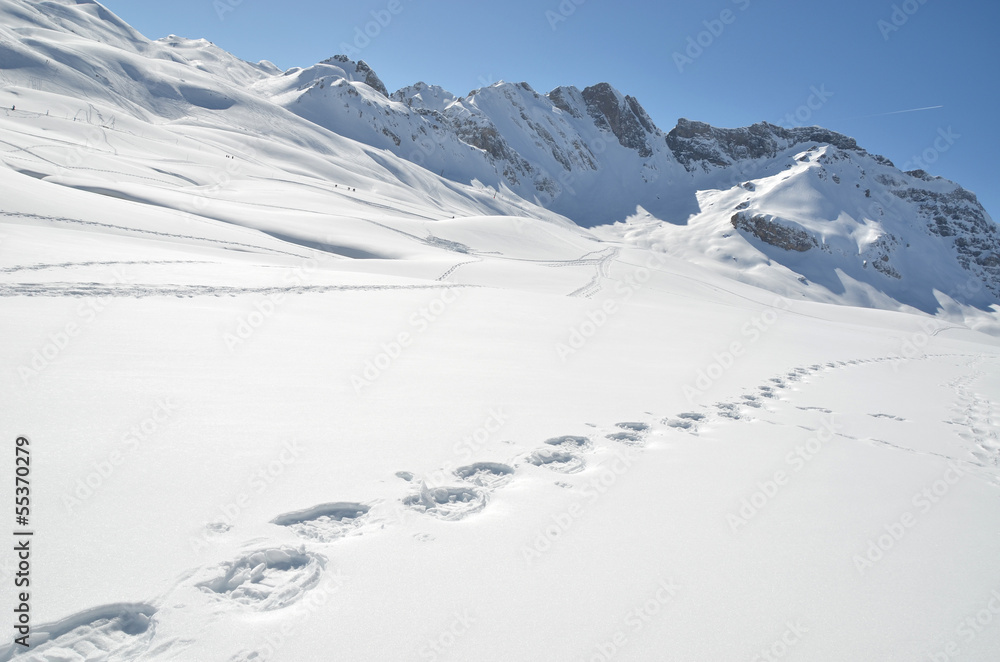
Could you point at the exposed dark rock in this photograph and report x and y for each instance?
(773, 233)
(559, 100)
(696, 144)
(958, 214)
(371, 78)
(628, 121)
(920, 174)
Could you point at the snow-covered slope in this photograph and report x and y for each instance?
(827, 220)
(806, 208)
(289, 395)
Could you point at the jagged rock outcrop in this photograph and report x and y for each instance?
(361, 71)
(771, 231)
(696, 144)
(958, 217)
(623, 117)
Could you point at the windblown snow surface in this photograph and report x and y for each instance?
(291, 396)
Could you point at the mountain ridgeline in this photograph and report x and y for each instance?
(593, 155)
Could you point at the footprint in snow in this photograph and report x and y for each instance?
(633, 427)
(447, 503)
(268, 579)
(490, 475)
(111, 633)
(628, 438)
(326, 522)
(570, 442)
(633, 433)
(682, 424)
(729, 410)
(556, 460)
(686, 421)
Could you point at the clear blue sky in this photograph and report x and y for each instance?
(765, 61)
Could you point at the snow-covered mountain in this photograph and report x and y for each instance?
(807, 199)
(830, 214)
(807, 206)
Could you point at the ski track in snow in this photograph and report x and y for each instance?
(603, 271)
(122, 228)
(111, 263)
(142, 291)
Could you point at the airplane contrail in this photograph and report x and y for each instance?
(911, 110)
(897, 112)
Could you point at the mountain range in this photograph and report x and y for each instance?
(806, 208)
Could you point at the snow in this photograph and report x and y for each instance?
(291, 396)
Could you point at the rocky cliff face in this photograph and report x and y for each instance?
(698, 145)
(570, 150)
(623, 117)
(956, 217)
(773, 232)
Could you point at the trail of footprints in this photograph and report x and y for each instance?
(977, 424)
(768, 391)
(111, 633)
(276, 577)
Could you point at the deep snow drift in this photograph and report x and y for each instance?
(291, 396)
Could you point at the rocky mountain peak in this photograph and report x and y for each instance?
(359, 71)
(698, 145)
(621, 115)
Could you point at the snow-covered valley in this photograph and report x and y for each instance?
(291, 395)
